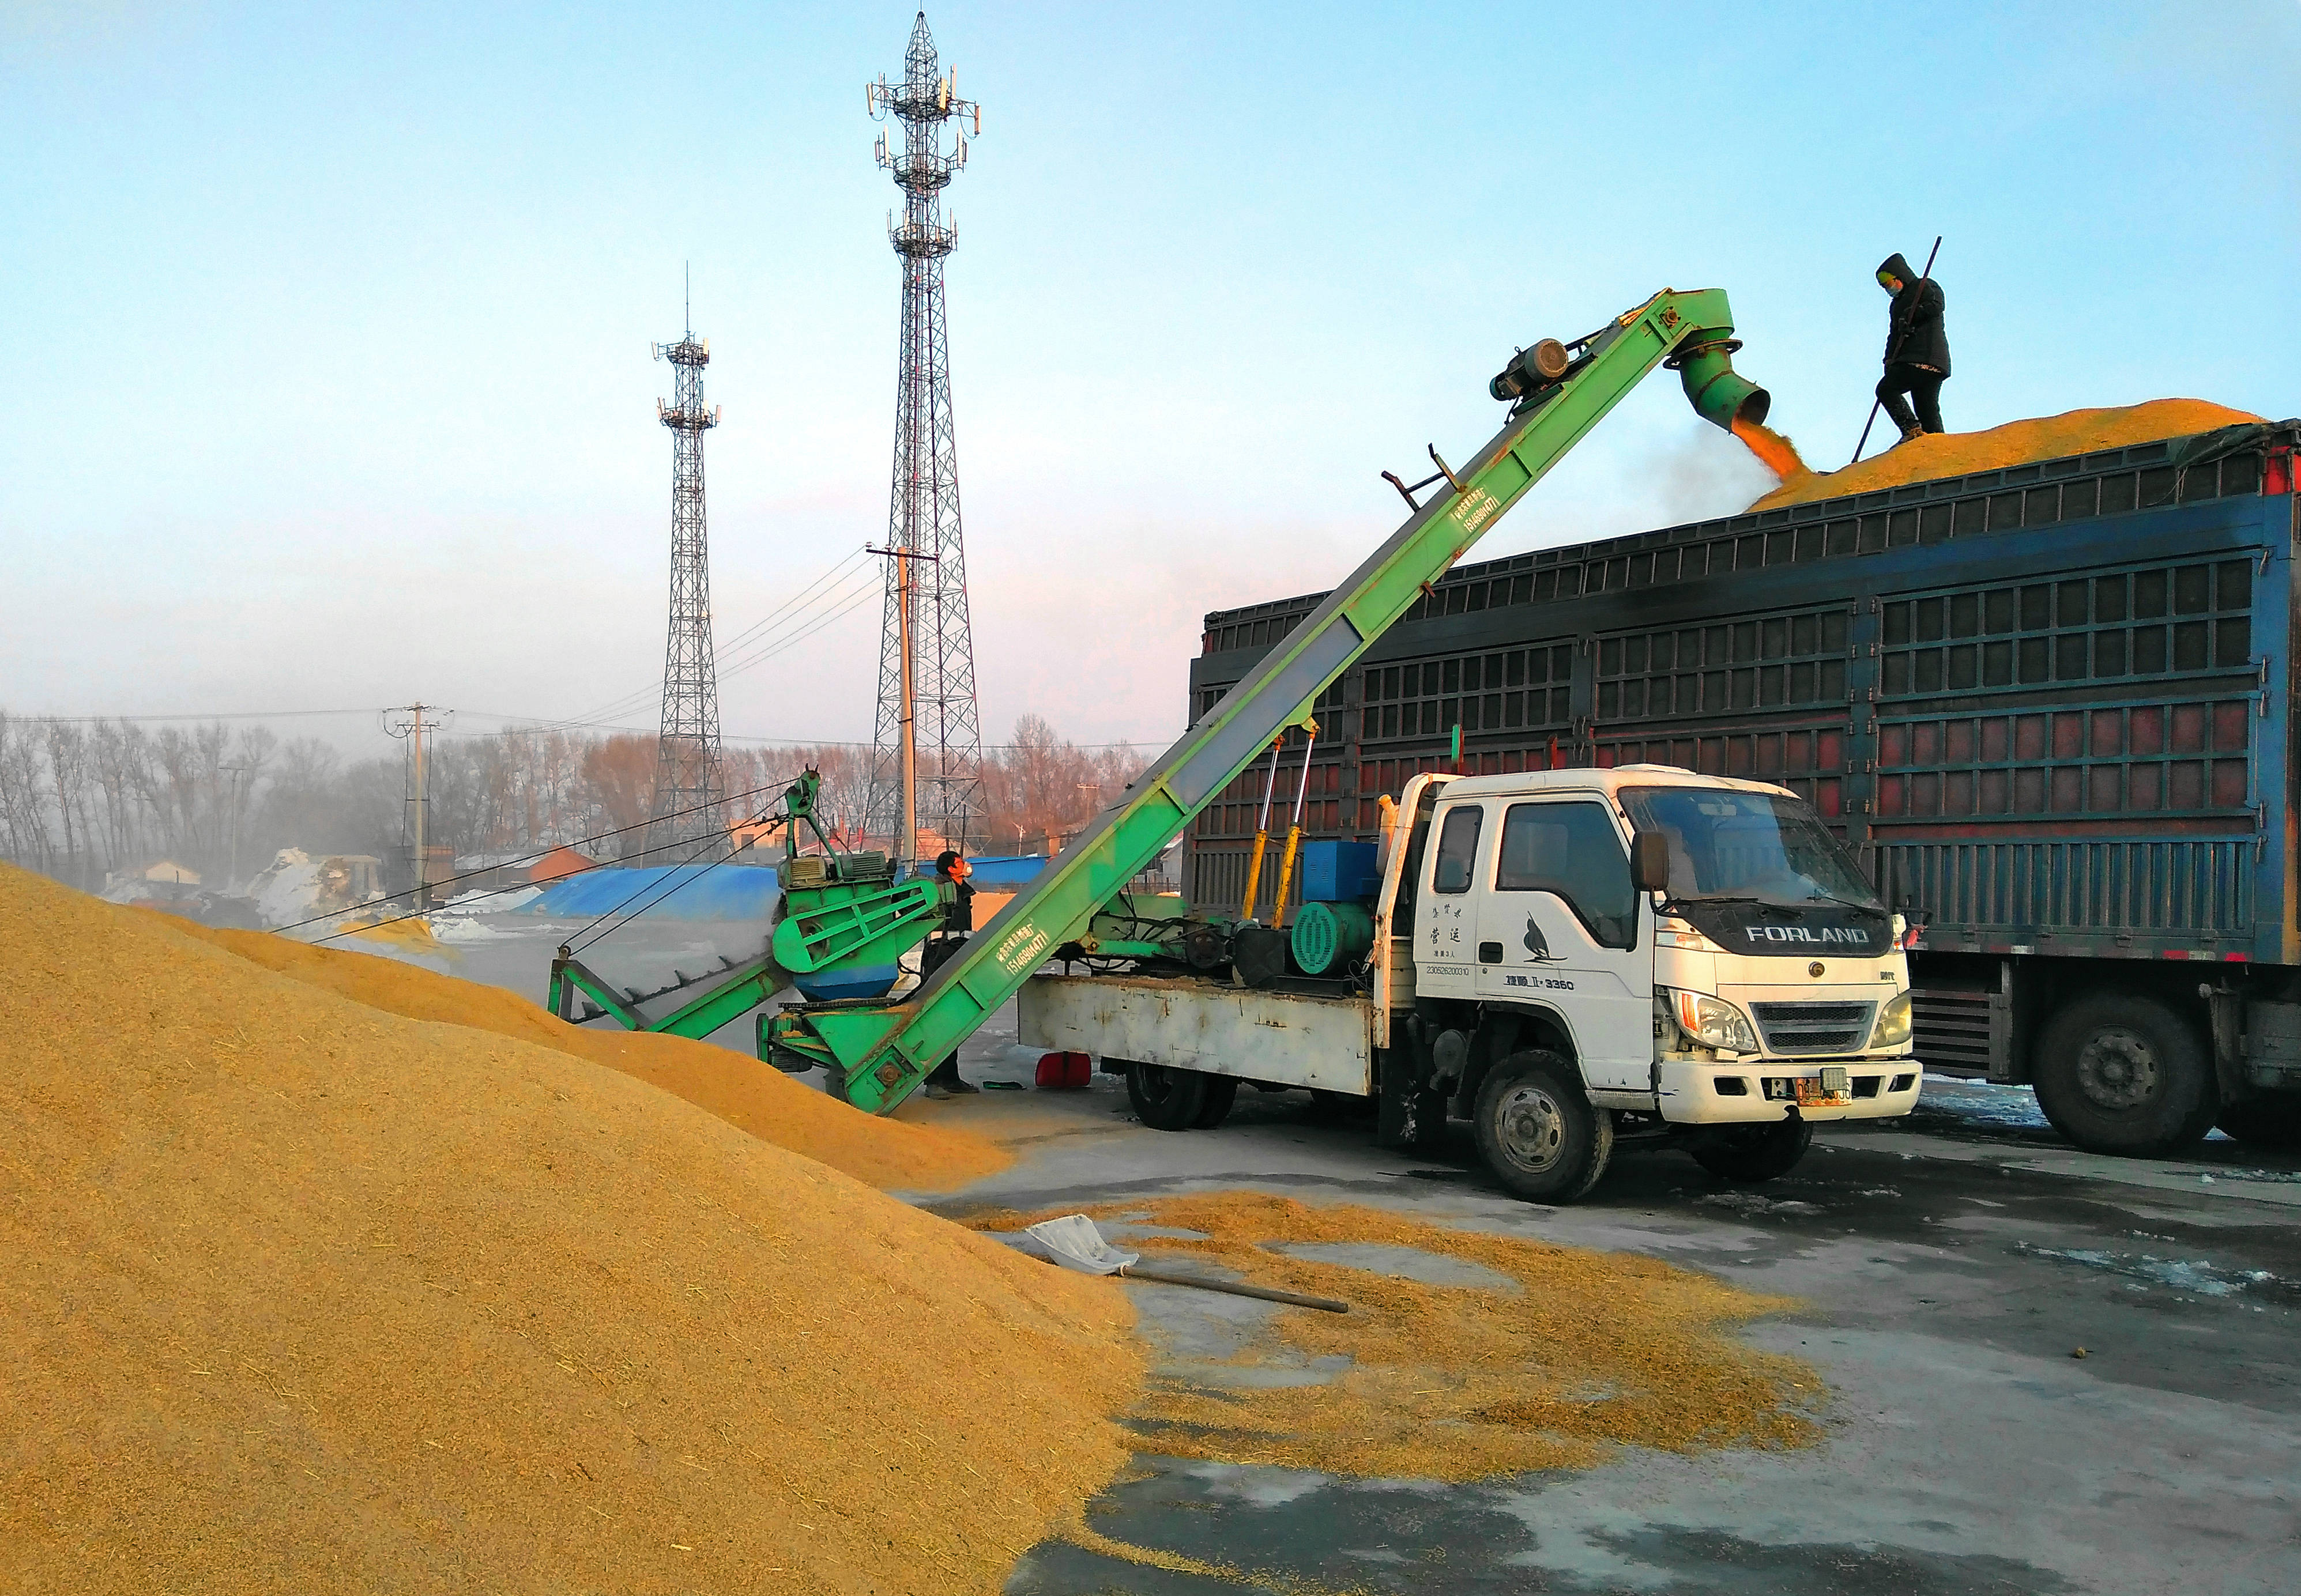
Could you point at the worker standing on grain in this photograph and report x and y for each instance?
(1917, 349)
(958, 921)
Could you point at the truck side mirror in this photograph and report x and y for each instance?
(1649, 862)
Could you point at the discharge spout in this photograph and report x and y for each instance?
(1718, 393)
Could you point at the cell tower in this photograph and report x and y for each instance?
(689, 790)
(927, 744)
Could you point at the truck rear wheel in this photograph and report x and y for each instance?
(1167, 1098)
(1754, 1153)
(1537, 1131)
(1221, 1092)
(2124, 1075)
(2273, 1124)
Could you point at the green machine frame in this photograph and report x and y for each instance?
(878, 1051)
(839, 908)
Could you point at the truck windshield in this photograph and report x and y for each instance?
(1748, 845)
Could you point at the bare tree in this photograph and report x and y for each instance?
(74, 796)
(1041, 785)
(67, 759)
(119, 754)
(619, 772)
(23, 824)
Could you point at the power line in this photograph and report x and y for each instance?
(791, 610)
(738, 640)
(844, 601)
(793, 741)
(507, 863)
(798, 602)
(853, 598)
(530, 723)
(236, 715)
(499, 892)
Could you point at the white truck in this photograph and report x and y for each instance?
(1568, 959)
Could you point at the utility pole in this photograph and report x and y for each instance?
(409, 722)
(910, 846)
(907, 716)
(232, 877)
(926, 658)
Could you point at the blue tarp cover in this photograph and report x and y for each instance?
(1006, 875)
(729, 892)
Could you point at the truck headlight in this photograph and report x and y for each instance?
(1713, 1022)
(1892, 1027)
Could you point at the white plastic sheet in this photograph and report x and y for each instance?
(1074, 1242)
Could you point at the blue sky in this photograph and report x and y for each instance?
(325, 373)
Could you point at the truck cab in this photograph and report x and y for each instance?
(1640, 950)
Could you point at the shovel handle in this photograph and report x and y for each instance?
(1266, 1294)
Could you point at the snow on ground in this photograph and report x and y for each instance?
(1982, 1104)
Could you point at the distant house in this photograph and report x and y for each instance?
(496, 871)
(559, 864)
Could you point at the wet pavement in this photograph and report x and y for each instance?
(1951, 1266)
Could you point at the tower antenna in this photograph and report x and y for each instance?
(691, 790)
(926, 756)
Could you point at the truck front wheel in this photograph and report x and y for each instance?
(2124, 1075)
(1754, 1153)
(1167, 1098)
(1537, 1131)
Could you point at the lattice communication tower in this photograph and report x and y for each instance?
(927, 742)
(691, 791)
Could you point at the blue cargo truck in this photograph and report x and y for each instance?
(2049, 705)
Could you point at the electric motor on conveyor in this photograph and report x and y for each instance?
(877, 1052)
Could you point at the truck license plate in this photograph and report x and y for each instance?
(1828, 1090)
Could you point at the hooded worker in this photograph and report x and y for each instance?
(952, 870)
(1917, 349)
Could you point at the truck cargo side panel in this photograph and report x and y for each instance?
(2041, 705)
(1284, 1038)
(2048, 703)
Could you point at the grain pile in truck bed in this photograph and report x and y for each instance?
(299, 1295)
(888, 1153)
(2016, 443)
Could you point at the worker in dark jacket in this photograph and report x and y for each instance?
(958, 921)
(1917, 349)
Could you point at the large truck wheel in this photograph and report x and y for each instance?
(2124, 1075)
(1221, 1092)
(2272, 1124)
(1537, 1131)
(1165, 1099)
(1749, 1154)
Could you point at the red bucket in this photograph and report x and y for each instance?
(1065, 1072)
